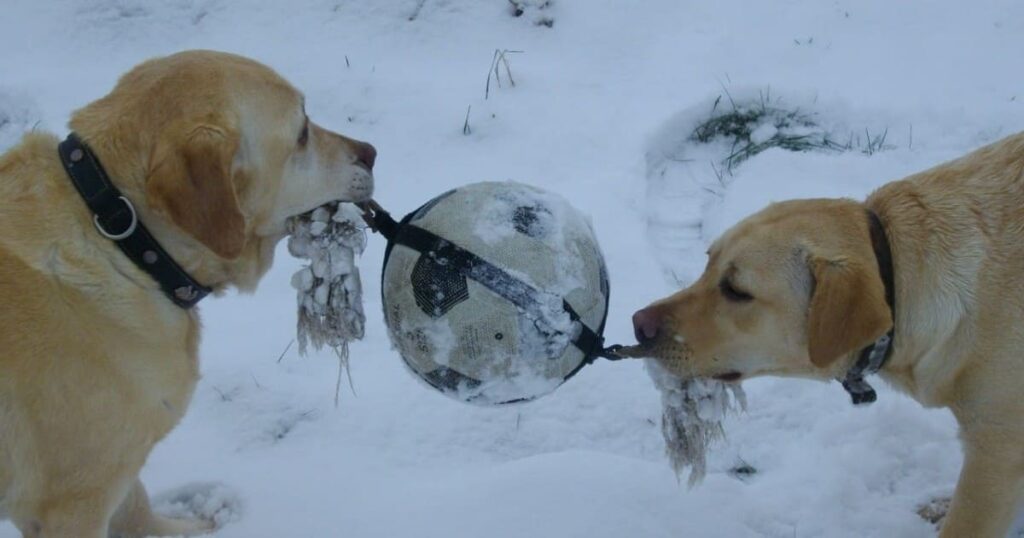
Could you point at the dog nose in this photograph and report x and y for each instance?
(646, 323)
(365, 154)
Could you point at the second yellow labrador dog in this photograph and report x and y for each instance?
(800, 289)
(178, 183)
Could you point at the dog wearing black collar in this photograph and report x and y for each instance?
(923, 283)
(176, 184)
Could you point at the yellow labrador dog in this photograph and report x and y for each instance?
(800, 289)
(206, 154)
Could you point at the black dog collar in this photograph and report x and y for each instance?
(115, 218)
(873, 357)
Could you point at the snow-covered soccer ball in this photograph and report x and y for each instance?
(493, 292)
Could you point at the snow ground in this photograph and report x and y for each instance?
(595, 97)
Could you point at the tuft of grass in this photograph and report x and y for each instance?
(499, 59)
(874, 144)
(794, 130)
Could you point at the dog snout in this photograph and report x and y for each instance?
(366, 154)
(646, 324)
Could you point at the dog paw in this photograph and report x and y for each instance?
(934, 510)
(206, 501)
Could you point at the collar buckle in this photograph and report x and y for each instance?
(127, 231)
(870, 361)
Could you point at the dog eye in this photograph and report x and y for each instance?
(733, 294)
(304, 135)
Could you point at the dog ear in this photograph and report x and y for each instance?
(191, 181)
(847, 309)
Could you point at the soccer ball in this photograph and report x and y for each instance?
(495, 292)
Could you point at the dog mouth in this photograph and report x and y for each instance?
(307, 214)
(669, 357)
(358, 199)
(729, 377)
(358, 193)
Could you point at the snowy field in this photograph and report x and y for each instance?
(604, 92)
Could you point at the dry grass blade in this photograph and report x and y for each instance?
(499, 59)
(416, 11)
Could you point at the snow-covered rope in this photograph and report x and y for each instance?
(692, 411)
(330, 294)
(692, 414)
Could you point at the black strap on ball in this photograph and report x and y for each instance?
(494, 278)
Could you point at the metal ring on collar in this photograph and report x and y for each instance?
(131, 227)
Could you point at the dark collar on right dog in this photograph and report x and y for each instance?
(115, 218)
(874, 357)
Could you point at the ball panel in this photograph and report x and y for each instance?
(437, 287)
(446, 379)
(533, 220)
(422, 340)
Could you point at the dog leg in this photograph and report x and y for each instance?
(135, 519)
(989, 486)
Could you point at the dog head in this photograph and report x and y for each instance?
(788, 291)
(218, 152)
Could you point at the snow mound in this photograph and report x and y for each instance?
(694, 158)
